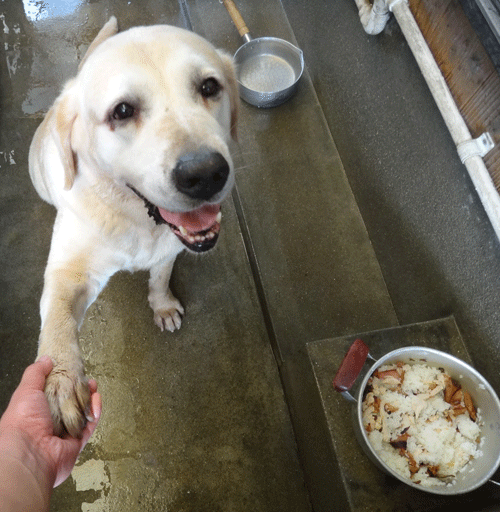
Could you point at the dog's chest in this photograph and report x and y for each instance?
(149, 247)
(125, 232)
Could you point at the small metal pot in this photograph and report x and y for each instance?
(268, 68)
(479, 470)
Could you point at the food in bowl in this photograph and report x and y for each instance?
(421, 422)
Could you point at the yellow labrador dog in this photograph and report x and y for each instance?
(134, 156)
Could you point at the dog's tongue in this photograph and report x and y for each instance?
(194, 221)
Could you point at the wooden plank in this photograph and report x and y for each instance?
(471, 77)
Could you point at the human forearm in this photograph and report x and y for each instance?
(32, 458)
(26, 480)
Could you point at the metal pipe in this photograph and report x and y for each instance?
(470, 150)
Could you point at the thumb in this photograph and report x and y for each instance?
(46, 364)
(34, 376)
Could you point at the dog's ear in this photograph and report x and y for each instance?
(230, 74)
(108, 30)
(64, 114)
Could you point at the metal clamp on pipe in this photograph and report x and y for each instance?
(392, 3)
(475, 147)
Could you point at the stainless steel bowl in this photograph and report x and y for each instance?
(268, 68)
(268, 71)
(479, 470)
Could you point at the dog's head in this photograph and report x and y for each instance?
(153, 109)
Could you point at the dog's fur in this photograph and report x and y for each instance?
(120, 155)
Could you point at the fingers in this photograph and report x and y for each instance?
(34, 376)
(96, 407)
(74, 445)
(92, 386)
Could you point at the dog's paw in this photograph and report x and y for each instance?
(69, 400)
(169, 316)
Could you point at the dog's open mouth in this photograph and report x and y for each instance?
(198, 229)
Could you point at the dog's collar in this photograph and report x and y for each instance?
(153, 211)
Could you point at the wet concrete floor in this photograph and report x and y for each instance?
(351, 213)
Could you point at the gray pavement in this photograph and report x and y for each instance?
(351, 213)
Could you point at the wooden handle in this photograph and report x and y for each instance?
(351, 366)
(238, 21)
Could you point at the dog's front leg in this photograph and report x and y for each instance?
(167, 309)
(68, 290)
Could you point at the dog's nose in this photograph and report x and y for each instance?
(201, 174)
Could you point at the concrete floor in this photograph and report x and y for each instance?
(352, 213)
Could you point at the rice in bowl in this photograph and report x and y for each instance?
(420, 422)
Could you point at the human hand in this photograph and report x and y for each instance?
(27, 422)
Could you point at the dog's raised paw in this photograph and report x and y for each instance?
(69, 401)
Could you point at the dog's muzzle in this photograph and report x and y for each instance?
(199, 175)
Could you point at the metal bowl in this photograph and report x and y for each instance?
(268, 71)
(268, 68)
(479, 470)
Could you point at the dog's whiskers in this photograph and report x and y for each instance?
(243, 167)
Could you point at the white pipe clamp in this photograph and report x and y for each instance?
(391, 3)
(475, 147)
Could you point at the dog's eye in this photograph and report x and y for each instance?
(123, 111)
(210, 87)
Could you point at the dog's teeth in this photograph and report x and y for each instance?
(219, 217)
(199, 238)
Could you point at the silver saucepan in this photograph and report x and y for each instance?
(479, 470)
(268, 68)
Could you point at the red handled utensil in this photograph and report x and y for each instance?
(350, 368)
